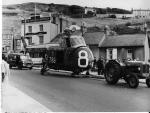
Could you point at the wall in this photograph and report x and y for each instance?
(48, 27)
(122, 52)
(95, 51)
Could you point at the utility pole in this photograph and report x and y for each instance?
(24, 32)
(13, 42)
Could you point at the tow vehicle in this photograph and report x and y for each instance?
(130, 71)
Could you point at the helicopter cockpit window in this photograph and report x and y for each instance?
(77, 41)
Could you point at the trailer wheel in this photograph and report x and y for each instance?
(133, 81)
(148, 82)
(112, 72)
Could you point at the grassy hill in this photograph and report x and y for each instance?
(11, 19)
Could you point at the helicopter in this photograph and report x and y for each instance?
(69, 52)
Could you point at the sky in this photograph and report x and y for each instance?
(124, 4)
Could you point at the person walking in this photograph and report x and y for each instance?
(100, 66)
(5, 71)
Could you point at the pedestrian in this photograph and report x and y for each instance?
(94, 63)
(5, 71)
(100, 66)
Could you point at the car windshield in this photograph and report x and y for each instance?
(77, 41)
(24, 57)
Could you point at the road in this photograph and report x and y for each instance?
(63, 93)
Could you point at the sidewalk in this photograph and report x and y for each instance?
(14, 100)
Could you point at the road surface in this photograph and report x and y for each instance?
(59, 92)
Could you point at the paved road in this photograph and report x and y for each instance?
(63, 93)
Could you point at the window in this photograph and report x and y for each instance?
(41, 39)
(30, 29)
(41, 27)
(130, 54)
(30, 40)
(54, 20)
(77, 41)
(111, 53)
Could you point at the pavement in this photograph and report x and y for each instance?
(14, 100)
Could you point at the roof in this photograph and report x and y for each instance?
(93, 38)
(59, 37)
(123, 40)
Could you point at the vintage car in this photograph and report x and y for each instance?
(19, 60)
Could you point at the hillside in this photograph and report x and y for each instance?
(63, 8)
(11, 16)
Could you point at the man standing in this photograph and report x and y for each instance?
(100, 66)
(5, 70)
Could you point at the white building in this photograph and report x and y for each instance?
(141, 13)
(86, 9)
(38, 30)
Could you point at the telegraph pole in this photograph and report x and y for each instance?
(13, 42)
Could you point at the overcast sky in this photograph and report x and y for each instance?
(124, 4)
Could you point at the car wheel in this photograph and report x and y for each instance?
(30, 68)
(148, 82)
(20, 67)
(10, 66)
(133, 81)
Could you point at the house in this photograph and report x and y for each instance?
(38, 30)
(42, 28)
(93, 39)
(135, 46)
(89, 9)
(141, 13)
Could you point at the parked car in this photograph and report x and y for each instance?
(19, 60)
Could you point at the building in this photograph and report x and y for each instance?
(42, 29)
(38, 30)
(141, 13)
(93, 39)
(87, 9)
(7, 40)
(135, 46)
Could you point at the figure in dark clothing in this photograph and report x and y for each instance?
(100, 65)
(94, 63)
(44, 60)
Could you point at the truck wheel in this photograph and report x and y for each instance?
(148, 82)
(112, 72)
(133, 81)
